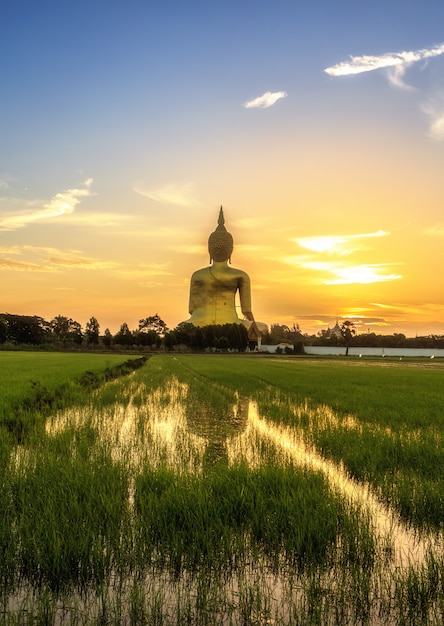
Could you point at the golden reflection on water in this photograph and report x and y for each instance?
(163, 428)
(407, 546)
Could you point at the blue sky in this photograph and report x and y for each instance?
(125, 125)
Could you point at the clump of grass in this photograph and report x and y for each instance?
(68, 513)
(92, 536)
(26, 412)
(221, 518)
(389, 404)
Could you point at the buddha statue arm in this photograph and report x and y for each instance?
(197, 296)
(245, 297)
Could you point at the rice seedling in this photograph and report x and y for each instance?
(387, 424)
(212, 491)
(33, 384)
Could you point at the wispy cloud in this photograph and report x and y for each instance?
(336, 244)
(266, 100)
(63, 203)
(80, 263)
(361, 274)
(434, 110)
(437, 230)
(21, 266)
(338, 273)
(395, 62)
(359, 320)
(328, 252)
(178, 194)
(37, 250)
(47, 259)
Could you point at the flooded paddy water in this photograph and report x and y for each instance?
(177, 501)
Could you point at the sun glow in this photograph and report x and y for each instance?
(336, 244)
(360, 274)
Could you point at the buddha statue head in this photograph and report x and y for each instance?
(220, 242)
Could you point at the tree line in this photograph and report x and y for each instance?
(152, 333)
(348, 337)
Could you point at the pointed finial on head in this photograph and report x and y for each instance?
(221, 219)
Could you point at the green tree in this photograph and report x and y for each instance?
(92, 330)
(124, 337)
(147, 338)
(25, 329)
(3, 330)
(107, 337)
(348, 332)
(155, 323)
(66, 330)
(185, 333)
(60, 327)
(170, 340)
(281, 333)
(222, 343)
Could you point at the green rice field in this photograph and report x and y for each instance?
(20, 371)
(228, 489)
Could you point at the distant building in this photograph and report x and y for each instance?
(334, 332)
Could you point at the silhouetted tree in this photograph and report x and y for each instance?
(234, 336)
(92, 331)
(147, 338)
(124, 337)
(155, 323)
(107, 337)
(169, 340)
(66, 330)
(348, 332)
(281, 333)
(26, 329)
(3, 330)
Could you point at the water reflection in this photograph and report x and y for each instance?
(169, 427)
(405, 546)
(217, 428)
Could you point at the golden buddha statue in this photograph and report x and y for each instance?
(213, 289)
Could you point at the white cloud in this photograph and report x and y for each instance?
(434, 109)
(339, 273)
(395, 62)
(266, 100)
(360, 274)
(332, 270)
(336, 244)
(63, 203)
(181, 195)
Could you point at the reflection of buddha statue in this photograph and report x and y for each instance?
(213, 289)
(217, 425)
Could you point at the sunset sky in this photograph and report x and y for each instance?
(318, 126)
